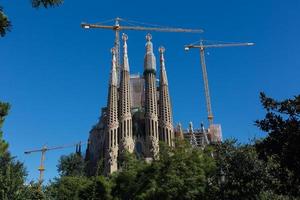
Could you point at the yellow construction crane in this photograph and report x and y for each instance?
(202, 48)
(43, 151)
(117, 28)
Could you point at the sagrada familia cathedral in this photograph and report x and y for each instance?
(138, 114)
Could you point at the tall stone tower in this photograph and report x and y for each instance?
(151, 115)
(165, 111)
(125, 118)
(111, 134)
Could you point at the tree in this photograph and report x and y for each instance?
(71, 165)
(12, 172)
(4, 108)
(66, 188)
(125, 180)
(98, 189)
(5, 24)
(179, 173)
(281, 146)
(46, 3)
(240, 174)
(12, 178)
(33, 191)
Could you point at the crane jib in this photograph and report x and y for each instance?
(141, 28)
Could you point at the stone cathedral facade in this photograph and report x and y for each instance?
(138, 113)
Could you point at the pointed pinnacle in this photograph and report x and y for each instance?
(113, 51)
(124, 37)
(191, 126)
(161, 49)
(148, 37)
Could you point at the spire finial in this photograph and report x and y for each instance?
(124, 37)
(148, 37)
(113, 51)
(191, 126)
(179, 126)
(161, 49)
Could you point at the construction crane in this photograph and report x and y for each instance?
(43, 151)
(202, 48)
(117, 28)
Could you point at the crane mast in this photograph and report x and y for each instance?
(206, 87)
(202, 48)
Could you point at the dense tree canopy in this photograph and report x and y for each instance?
(240, 174)
(71, 165)
(281, 146)
(46, 3)
(12, 172)
(4, 108)
(180, 173)
(5, 24)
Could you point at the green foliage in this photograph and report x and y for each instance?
(125, 180)
(79, 188)
(4, 108)
(71, 165)
(179, 173)
(5, 24)
(240, 174)
(66, 188)
(12, 172)
(46, 3)
(12, 178)
(267, 195)
(98, 189)
(281, 146)
(33, 191)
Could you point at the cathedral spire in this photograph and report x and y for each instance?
(113, 72)
(193, 140)
(125, 118)
(125, 53)
(150, 61)
(151, 111)
(163, 73)
(165, 110)
(179, 132)
(111, 137)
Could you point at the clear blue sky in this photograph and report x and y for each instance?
(55, 74)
